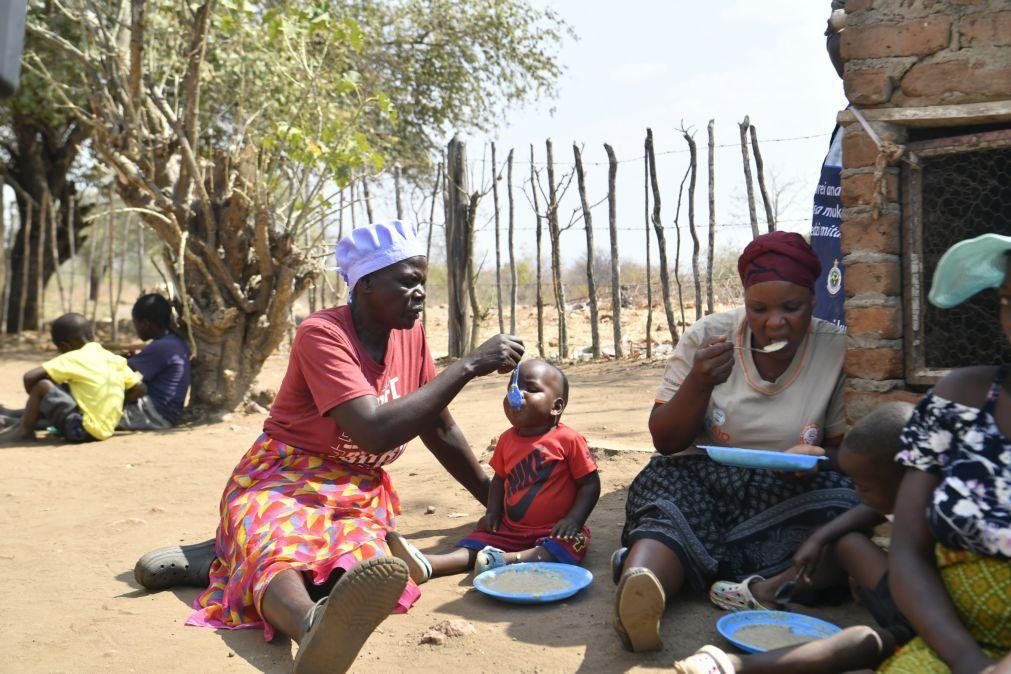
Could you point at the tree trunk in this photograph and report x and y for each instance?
(110, 240)
(696, 246)
(612, 218)
(40, 257)
(512, 252)
(457, 260)
(770, 219)
(591, 286)
(748, 182)
(649, 264)
(556, 262)
(661, 240)
(712, 218)
(4, 263)
(26, 256)
(538, 228)
(498, 244)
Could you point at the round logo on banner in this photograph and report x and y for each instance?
(834, 281)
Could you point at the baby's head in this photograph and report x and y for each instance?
(545, 390)
(152, 315)
(867, 455)
(70, 332)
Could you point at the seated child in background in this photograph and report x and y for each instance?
(867, 456)
(98, 382)
(165, 365)
(545, 486)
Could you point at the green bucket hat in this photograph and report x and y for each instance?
(968, 267)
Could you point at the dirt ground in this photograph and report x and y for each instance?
(77, 517)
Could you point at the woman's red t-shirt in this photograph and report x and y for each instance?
(329, 366)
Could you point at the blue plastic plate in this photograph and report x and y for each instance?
(761, 458)
(573, 579)
(801, 625)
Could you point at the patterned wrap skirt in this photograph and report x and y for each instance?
(284, 508)
(729, 522)
(980, 589)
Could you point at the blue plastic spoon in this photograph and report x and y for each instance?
(514, 395)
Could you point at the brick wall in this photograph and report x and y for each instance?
(901, 53)
(927, 52)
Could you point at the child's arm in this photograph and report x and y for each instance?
(136, 392)
(587, 493)
(33, 377)
(916, 584)
(496, 503)
(857, 518)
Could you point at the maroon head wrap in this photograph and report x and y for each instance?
(779, 256)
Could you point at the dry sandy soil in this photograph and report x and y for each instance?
(75, 519)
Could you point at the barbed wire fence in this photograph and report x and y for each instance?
(115, 260)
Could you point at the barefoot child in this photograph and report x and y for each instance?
(867, 456)
(99, 382)
(545, 486)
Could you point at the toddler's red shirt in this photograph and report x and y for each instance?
(540, 474)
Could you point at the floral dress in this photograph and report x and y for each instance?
(969, 515)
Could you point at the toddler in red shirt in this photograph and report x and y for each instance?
(545, 486)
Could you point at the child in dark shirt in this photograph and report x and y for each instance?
(165, 365)
(545, 486)
(867, 456)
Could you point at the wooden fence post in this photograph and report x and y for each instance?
(712, 217)
(537, 220)
(72, 234)
(556, 262)
(612, 217)
(54, 251)
(591, 286)
(770, 219)
(677, 250)
(353, 203)
(649, 273)
(4, 266)
(40, 254)
(368, 200)
(111, 243)
(696, 246)
(431, 228)
(512, 252)
(661, 240)
(748, 182)
(26, 255)
(498, 243)
(457, 263)
(396, 191)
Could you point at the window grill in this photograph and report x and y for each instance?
(962, 189)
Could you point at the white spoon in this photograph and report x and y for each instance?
(770, 348)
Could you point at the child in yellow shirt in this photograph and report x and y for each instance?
(98, 381)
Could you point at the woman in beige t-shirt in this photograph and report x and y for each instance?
(691, 520)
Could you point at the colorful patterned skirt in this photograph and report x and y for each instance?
(284, 508)
(979, 588)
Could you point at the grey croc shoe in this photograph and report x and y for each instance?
(175, 565)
